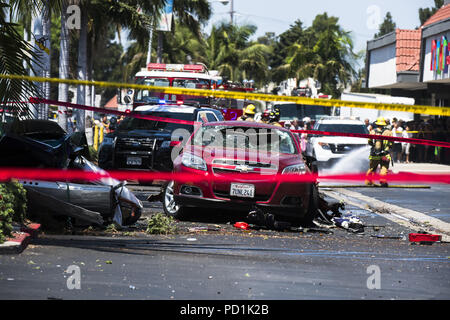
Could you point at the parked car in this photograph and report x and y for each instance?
(294, 201)
(139, 144)
(328, 150)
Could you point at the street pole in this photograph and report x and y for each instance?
(232, 10)
(160, 46)
(150, 40)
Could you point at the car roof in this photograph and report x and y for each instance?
(169, 108)
(249, 124)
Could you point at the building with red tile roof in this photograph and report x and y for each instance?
(442, 14)
(407, 49)
(112, 103)
(414, 63)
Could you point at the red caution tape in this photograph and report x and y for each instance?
(118, 113)
(25, 174)
(325, 133)
(376, 137)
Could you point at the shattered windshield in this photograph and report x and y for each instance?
(245, 138)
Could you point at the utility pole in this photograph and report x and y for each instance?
(149, 51)
(232, 10)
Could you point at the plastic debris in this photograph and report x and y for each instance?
(204, 229)
(242, 225)
(424, 237)
(349, 223)
(382, 236)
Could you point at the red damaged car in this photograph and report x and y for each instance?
(239, 158)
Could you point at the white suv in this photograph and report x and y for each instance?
(329, 149)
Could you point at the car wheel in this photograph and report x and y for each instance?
(169, 205)
(313, 206)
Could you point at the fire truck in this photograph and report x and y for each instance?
(188, 76)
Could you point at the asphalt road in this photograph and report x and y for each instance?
(231, 264)
(434, 201)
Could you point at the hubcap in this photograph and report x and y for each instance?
(169, 199)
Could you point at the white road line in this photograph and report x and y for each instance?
(406, 217)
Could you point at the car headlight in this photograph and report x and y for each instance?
(295, 169)
(324, 145)
(191, 161)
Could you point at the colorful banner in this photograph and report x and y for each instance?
(440, 55)
(165, 20)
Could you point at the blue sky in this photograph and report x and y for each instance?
(360, 17)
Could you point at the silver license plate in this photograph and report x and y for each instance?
(134, 161)
(242, 190)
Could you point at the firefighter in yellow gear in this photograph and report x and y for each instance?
(379, 153)
(249, 113)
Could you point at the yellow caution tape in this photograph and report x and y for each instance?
(419, 109)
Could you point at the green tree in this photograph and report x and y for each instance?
(426, 13)
(229, 50)
(387, 26)
(189, 15)
(279, 68)
(325, 53)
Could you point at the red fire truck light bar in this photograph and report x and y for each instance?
(175, 67)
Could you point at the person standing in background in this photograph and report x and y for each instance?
(397, 132)
(406, 146)
(89, 130)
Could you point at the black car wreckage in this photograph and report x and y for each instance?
(44, 144)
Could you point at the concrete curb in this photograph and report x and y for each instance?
(21, 237)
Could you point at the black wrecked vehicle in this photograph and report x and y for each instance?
(44, 144)
(142, 144)
(39, 144)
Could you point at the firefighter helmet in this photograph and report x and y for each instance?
(380, 122)
(250, 109)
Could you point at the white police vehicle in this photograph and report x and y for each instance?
(330, 149)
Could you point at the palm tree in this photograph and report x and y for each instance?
(63, 89)
(97, 16)
(16, 56)
(183, 46)
(229, 50)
